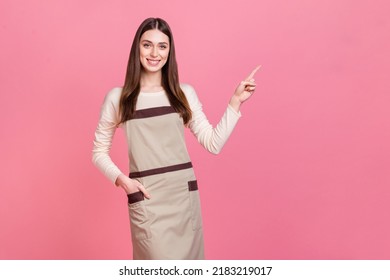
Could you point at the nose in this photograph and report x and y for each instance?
(154, 52)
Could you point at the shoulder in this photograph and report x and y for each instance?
(191, 96)
(187, 89)
(112, 98)
(189, 92)
(114, 95)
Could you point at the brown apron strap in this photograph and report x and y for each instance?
(160, 170)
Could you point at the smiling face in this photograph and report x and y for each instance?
(154, 50)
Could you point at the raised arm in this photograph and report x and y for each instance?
(244, 90)
(214, 138)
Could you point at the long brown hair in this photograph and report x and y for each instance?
(169, 81)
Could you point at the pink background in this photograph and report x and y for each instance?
(305, 174)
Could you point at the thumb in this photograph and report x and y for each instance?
(143, 190)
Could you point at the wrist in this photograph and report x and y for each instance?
(235, 103)
(119, 180)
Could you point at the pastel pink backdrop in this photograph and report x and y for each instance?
(305, 174)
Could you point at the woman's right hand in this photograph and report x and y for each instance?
(130, 185)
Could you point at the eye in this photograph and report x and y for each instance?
(163, 47)
(146, 45)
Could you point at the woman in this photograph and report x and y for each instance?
(153, 109)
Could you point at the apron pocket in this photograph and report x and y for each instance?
(196, 215)
(135, 197)
(139, 222)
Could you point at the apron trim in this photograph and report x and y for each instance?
(153, 112)
(135, 197)
(160, 170)
(193, 186)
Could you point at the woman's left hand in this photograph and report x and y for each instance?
(244, 90)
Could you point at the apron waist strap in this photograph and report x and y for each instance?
(160, 170)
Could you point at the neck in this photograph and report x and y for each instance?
(150, 80)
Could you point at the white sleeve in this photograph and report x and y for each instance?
(212, 139)
(104, 134)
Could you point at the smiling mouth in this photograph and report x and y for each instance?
(153, 62)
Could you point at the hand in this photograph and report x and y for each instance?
(244, 90)
(130, 185)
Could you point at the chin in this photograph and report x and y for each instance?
(151, 70)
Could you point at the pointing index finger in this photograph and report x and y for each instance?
(253, 73)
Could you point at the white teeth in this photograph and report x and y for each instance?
(153, 62)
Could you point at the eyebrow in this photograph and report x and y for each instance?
(152, 42)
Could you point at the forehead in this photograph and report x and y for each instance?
(155, 36)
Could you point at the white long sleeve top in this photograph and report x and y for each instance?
(211, 138)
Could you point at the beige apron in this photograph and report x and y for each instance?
(169, 225)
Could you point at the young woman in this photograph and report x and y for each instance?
(153, 108)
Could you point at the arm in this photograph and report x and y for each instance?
(104, 134)
(244, 90)
(108, 122)
(213, 139)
